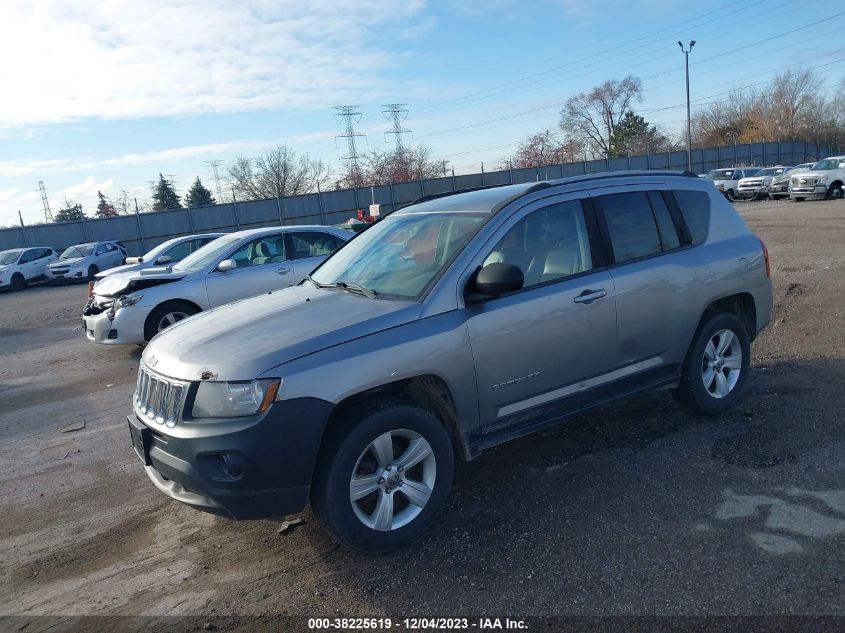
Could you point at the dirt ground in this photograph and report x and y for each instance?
(641, 508)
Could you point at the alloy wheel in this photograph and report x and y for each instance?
(392, 480)
(721, 364)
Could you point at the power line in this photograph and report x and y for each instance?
(396, 112)
(349, 115)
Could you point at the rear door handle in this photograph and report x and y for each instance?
(588, 296)
(282, 271)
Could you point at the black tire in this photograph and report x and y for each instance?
(798, 199)
(834, 192)
(729, 194)
(17, 283)
(692, 392)
(346, 444)
(92, 271)
(151, 325)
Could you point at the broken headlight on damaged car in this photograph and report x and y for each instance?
(127, 300)
(234, 399)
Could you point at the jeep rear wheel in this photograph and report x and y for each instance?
(716, 366)
(383, 476)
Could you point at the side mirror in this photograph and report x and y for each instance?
(133, 260)
(497, 278)
(164, 259)
(226, 265)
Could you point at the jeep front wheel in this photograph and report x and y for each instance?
(384, 476)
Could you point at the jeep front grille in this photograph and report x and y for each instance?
(158, 399)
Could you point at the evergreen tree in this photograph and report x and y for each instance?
(105, 209)
(164, 196)
(634, 135)
(199, 195)
(72, 212)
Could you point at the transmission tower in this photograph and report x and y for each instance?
(397, 112)
(349, 116)
(48, 215)
(214, 164)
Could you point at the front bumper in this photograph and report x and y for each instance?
(257, 469)
(750, 192)
(817, 192)
(125, 328)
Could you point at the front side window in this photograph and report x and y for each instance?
(630, 225)
(269, 249)
(28, 256)
(401, 255)
(313, 244)
(547, 244)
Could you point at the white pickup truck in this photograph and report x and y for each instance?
(824, 180)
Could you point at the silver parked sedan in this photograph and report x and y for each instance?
(133, 307)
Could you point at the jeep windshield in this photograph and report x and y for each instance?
(401, 256)
(207, 255)
(80, 250)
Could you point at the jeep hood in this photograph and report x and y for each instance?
(118, 284)
(242, 340)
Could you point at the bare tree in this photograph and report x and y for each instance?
(547, 147)
(591, 117)
(276, 172)
(380, 167)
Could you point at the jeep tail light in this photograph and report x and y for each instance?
(766, 258)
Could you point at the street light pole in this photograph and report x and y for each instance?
(689, 122)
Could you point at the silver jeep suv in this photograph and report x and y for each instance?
(446, 328)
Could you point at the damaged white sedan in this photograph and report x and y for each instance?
(132, 307)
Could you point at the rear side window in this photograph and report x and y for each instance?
(695, 207)
(630, 225)
(668, 232)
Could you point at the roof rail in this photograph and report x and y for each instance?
(544, 184)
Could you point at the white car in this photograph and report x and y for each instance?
(757, 186)
(779, 187)
(20, 266)
(167, 253)
(727, 180)
(82, 261)
(133, 307)
(825, 180)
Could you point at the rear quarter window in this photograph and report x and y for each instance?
(695, 207)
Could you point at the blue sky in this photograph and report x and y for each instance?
(105, 95)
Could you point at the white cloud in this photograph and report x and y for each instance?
(87, 189)
(11, 169)
(68, 60)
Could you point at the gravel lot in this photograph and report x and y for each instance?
(638, 509)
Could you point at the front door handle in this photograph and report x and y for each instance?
(588, 296)
(282, 271)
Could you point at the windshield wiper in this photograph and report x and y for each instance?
(352, 285)
(349, 286)
(317, 284)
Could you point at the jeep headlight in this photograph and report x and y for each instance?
(234, 399)
(128, 300)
